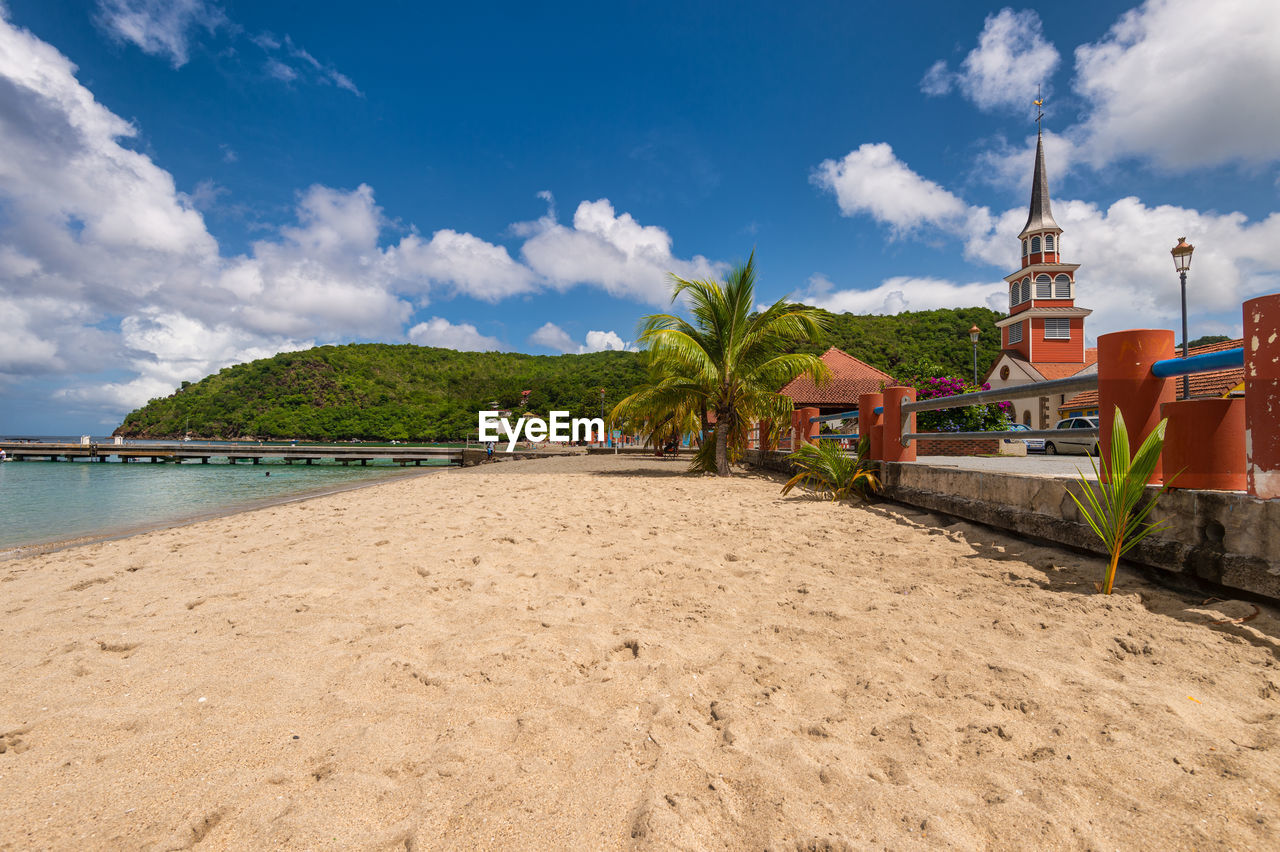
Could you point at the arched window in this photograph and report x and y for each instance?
(1062, 287)
(1044, 287)
(1048, 242)
(1013, 295)
(1035, 245)
(1026, 417)
(1024, 248)
(1026, 290)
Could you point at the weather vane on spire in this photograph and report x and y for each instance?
(1039, 102)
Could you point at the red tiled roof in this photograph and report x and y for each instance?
(1217, 383)
(1050, 369)
(849, 379)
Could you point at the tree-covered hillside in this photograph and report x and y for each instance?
(941, 336)
(374, 391)
(381, 392)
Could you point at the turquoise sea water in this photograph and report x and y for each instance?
(42, 502)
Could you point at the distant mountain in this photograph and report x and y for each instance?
(375, 391)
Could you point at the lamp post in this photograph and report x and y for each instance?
(1182, 262)
(973, 336)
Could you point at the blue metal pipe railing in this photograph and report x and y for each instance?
(1206, 363)
(844, 415)
(853, 435)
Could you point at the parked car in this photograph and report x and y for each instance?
(1034, 445)
(1069, 443)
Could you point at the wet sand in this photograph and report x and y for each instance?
(603, 652)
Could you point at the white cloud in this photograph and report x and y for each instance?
(552, 336)
(904, 293)
(603, 341)
(610, 251)
(1011, 60)
(1185, 83)
(464, 263)
(288, 62)
(159, 27)
(873, 180)
(463, 337)
(277, 69)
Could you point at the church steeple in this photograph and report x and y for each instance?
(1044, 325)
(1040, 217)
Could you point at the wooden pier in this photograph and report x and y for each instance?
(189, 451)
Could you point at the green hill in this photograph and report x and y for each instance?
(374, 391)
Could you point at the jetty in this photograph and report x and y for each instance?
(190, 451)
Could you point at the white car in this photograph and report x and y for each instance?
(1073, 443)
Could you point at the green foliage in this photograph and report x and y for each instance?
(729, 360)
(1205, 341)
(892, 342)
(1112, 508)
(382, 392)
(827, 469)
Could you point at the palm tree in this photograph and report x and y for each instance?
(728, 361)
(664, 408)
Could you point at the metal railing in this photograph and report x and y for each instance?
(1168, 368)
(1072, 384)
(1206, 363)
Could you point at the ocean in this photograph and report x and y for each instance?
(43, 502)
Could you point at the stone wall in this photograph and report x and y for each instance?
(1225, 537)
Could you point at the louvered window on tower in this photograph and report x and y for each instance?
(1035, 245)
(1057, 328)
(1015, 333)
(1026, 289)
(1048, 242)
(1044, 287)
(1062, 287)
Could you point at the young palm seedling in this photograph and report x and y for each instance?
(1112, 508)
(826, 468)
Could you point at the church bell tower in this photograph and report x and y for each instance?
(1044, 325)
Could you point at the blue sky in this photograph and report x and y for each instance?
(187, 184)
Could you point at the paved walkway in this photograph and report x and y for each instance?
(1033, 464)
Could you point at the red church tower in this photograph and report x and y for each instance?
(1044, 325)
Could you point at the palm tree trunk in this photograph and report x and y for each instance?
(722, 443)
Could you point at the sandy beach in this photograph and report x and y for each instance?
(603, 653)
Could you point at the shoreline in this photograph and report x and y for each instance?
(119, 533)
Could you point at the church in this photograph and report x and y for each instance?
(1042, 338)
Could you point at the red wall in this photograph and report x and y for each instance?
(1050, 351)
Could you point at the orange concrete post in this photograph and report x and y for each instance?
(808, 431)
(1204, 444)
(1125, 380)
(868, 420)
(894, 398)
(877, 442)
(1262, 395)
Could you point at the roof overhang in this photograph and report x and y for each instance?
(1037, 268)
(1043, 312)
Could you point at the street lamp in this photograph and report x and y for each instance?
(973, 336)
(1182, 262)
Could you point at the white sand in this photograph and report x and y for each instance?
(604, 652)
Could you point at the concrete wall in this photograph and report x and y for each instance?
(1225, 537)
